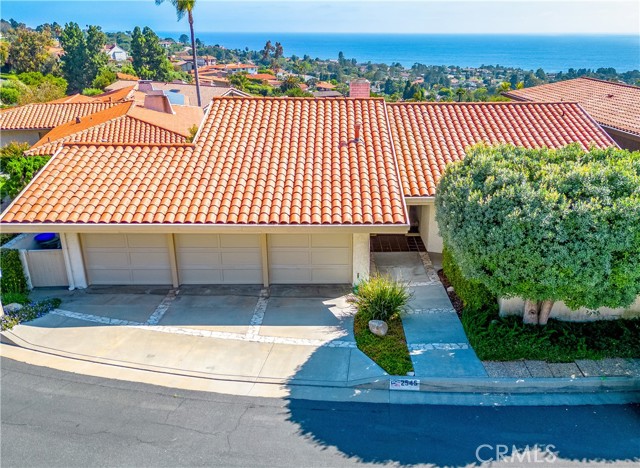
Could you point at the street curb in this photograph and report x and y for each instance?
(432, 390)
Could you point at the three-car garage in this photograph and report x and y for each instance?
(155, 259)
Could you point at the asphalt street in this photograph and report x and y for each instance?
(52, 418)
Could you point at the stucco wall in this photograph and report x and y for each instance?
(429, 229)
(560, 311)
(20, 136)
(361, 257)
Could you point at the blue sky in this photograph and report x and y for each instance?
(359, 16)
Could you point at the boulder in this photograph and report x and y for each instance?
(378, 327)
(12, 308)
(450, 289)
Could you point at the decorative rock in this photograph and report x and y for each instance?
(12, 308)
(450, 289)
(378, 327)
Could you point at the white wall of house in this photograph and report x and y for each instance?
(361, 257)
(21, 136)
(429, 228)
(560, 311)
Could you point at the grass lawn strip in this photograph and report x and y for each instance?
(390, 352)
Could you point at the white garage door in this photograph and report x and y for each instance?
(310, 258)
(219, 258)
(127, 258)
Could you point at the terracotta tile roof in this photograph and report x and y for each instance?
(207, 92)
(116, 95)
(126, 77)
(428, 136)
(325, 85)
(261, 77)
(73, 98)
(257, 161)
(124, 123)
(47, 115)
(615, 105)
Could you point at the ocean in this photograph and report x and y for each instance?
(552, 53)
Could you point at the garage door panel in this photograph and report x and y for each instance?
(334, 256)
(331, 240)
(289, 257)
(330, 275)
(205, 241)
(155, 276)
(289, 275)
(149, 260)
(104, 241)
(147, 241)
(240, 258)
(106, 259)
(200, 276)
(249, 276)
(289, 240)
(126, 259)
(244, 241)
(219, 259)
(198, 259)
(107, 276)
(310, 258)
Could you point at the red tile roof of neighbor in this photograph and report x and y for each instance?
(47, 115)
(256, 161)
(428, 136)
(615, 105)
(124, 123)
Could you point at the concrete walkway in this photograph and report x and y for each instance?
(436, 339)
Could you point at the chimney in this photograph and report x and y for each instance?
(359, 88)
(145, 86)
(156, 100)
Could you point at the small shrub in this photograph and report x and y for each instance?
(92, 91)
(30, 312)
(13, 279)
(472, 293)
(381, 298)
(9, 95)
(11, 297)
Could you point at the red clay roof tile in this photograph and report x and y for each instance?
(428, 136)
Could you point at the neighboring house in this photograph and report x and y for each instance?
(186, 62)
(124, 123)
(273, 190)
(615, 106)
(232, 68)
(188, 91)
(29, 123)
(116, 53)
(325, 86)
(327, 94)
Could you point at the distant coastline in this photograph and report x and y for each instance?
(553, 53)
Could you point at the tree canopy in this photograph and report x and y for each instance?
(546, 225)
(28, 50)
(150, 60)
(83, 55)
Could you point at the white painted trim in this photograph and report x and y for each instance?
(166, 228)
(67, 261)
(420, 200)
(264, 250)
(173, 261)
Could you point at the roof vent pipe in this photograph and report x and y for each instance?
(358, 126)
(78, 119)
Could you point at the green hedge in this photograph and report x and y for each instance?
(472, 293)
(13, 279)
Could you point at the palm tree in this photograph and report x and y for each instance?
(186, 7)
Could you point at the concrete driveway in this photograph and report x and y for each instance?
(284, 334)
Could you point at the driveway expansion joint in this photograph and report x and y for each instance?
(154, 319)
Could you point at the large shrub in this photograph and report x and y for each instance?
(19, 169)
(13, 279)
(546, 225)
(380, 298)
(473, 294)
